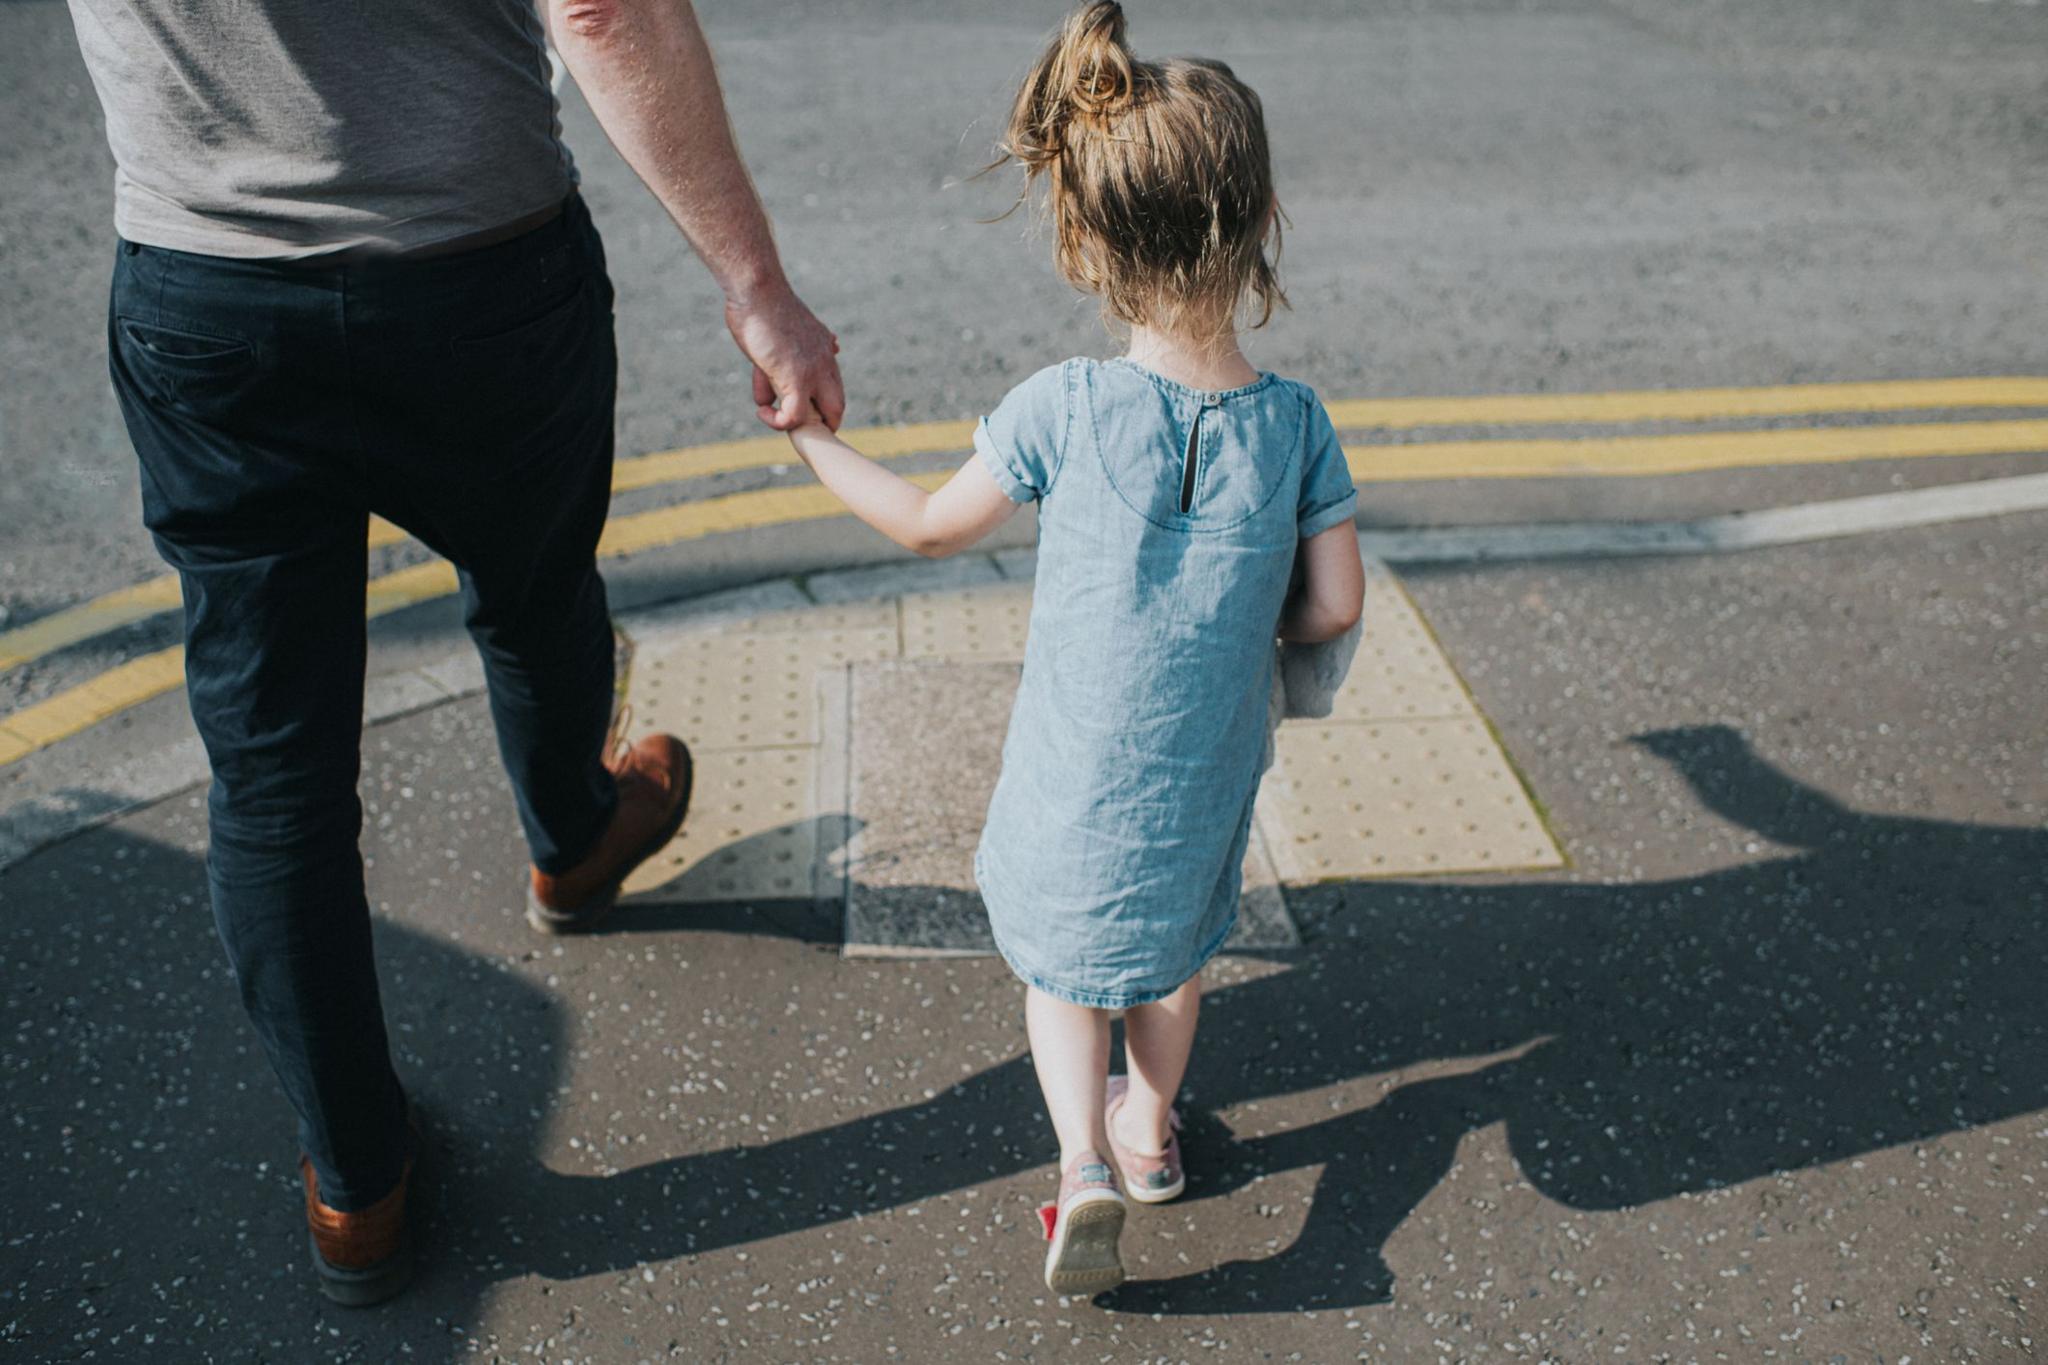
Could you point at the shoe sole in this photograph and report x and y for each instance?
(1148, 1196)
(1083, 1259)
(370, 1285)
(557, 923)
(373, 1284)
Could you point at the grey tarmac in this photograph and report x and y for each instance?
(1762, 1075)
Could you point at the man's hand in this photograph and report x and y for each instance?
(794, 369)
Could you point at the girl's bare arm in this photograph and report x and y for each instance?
(1332, 590)
(935, 524)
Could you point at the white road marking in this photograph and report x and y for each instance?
(1714, 535)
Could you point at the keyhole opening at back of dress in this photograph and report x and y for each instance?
(1189, 465)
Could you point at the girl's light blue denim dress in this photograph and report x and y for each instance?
(1167, 527)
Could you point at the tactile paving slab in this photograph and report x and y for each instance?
(973, 624)
(753, 833)
(747, 689)
(1399, 671)
(1397, 798)
(925, 745)
(870, 788)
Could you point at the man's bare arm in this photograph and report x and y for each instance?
(646, 70)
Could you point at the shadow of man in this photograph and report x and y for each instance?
(1878, 983)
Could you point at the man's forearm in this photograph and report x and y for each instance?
(646, 70)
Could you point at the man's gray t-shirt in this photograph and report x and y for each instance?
(294, 127)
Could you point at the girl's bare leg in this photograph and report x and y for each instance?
(1157, 1040)
(1070, 1049)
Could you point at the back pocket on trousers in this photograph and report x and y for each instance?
(177, 367)
(187, 350)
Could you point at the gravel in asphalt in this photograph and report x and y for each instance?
(1761, 1076)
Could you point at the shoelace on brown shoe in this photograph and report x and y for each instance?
(618, 754)
(616, 750)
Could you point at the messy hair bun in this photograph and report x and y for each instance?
(1158, 179)
(1086, 73)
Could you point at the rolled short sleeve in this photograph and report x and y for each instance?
(1328, 497)
(1022, 442)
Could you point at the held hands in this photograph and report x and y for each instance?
(812, 437)
(796, 378)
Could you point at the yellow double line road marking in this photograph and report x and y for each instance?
(137, 681)
(1690, 405)
(1433, 460)
(69, 712)
(1690, 452)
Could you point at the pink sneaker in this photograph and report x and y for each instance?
(1149, 1178)
(1083, 1228)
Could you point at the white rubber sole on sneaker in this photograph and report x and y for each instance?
(1083, 1259)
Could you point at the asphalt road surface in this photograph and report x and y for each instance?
(1759, 1076)
(1483, 197)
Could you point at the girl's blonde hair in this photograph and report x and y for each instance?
(1159, 183)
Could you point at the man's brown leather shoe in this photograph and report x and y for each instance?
(654, 793)
(363, 1257)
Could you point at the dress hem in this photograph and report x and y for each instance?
(1103, 1000)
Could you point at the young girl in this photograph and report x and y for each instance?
(1177, 488)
